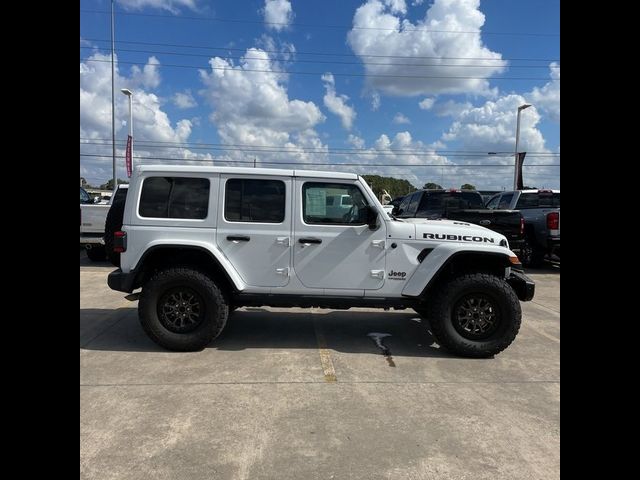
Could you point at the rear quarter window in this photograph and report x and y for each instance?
(175, 197)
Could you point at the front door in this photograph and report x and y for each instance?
(333, 245)
(254, 227)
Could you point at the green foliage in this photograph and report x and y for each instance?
(395, 187)
(468, 186)
(432, 186)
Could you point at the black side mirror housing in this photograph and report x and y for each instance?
(372, 217)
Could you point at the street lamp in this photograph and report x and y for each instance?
(515, 175)
(129, 94)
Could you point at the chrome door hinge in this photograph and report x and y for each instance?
(284, 241)
(379, 244)
(377, 273)
(283, 271)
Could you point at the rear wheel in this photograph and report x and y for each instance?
(476, 315)
(182, 309)
(96, 253)
(531, 255)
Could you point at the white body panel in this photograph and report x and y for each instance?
(351, 260)
(264, 260)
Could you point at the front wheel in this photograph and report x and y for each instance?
(182, 309)
(476, 315)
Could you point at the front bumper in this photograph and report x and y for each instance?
(524, 287)
(120, 281)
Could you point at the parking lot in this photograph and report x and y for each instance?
(309, 393)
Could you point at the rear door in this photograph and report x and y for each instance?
(334, 248)
(254, 227)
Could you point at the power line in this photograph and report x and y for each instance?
(348, 27)
(328, 151)
(322, 73)
(337, 62)
(329, 163)
(318, 53)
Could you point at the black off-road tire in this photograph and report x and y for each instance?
(112, 224)
(156, 298)
(96, 253)
(531, 255)
(453, 298)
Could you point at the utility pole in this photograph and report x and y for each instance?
(254, 161)
(113, 98)
(515, 173)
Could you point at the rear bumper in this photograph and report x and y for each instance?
(120, 281)
(524, 287)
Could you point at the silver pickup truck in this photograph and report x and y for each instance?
(540, 210)
(92, 221)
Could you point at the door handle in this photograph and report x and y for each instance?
(238, 238)
(309, 240)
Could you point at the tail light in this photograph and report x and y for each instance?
(119, 241)
(553, 220)
(521, 225)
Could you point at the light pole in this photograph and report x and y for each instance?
(129, 94)
(515, 174)
(113, 98)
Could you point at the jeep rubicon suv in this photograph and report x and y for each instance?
(202, 241)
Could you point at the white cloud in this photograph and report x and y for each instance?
(375, 101)
(547, 98)
(379, 29)
(400, 156)
(253, 108)
(426, 104)
(337, 104)
(450, 108)
(172, 6)
(356, 141)
(396, 6)
(491, 128)
(184, 100)
(400, 119)
(151, 123)
(416, 3)
(149, 76)
(278, 14)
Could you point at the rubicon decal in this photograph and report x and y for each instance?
(459, 238)
(397, 275)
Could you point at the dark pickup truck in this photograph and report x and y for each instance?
(465, 206)
(540, 210)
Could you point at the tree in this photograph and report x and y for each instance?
(395, 188)
(468, 186)
(84, 183)
(529, 188)
(109, 184)
(432, 186)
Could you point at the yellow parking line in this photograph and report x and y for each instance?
(325, 355)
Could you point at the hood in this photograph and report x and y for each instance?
(453, 230)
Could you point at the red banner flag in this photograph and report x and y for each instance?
(128, 155)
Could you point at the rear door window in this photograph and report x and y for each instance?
(254, 200)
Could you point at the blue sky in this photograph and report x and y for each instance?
(399, 62)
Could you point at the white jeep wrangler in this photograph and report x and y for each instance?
(202, 241)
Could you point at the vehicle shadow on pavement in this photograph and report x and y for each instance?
(342, 331)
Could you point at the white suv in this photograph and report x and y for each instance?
(202, 241)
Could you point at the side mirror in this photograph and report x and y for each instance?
(395, 211)
(372, 217)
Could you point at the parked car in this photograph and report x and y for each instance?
(201, 241)
(93, 216)
(540, 210)
(464, 206)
